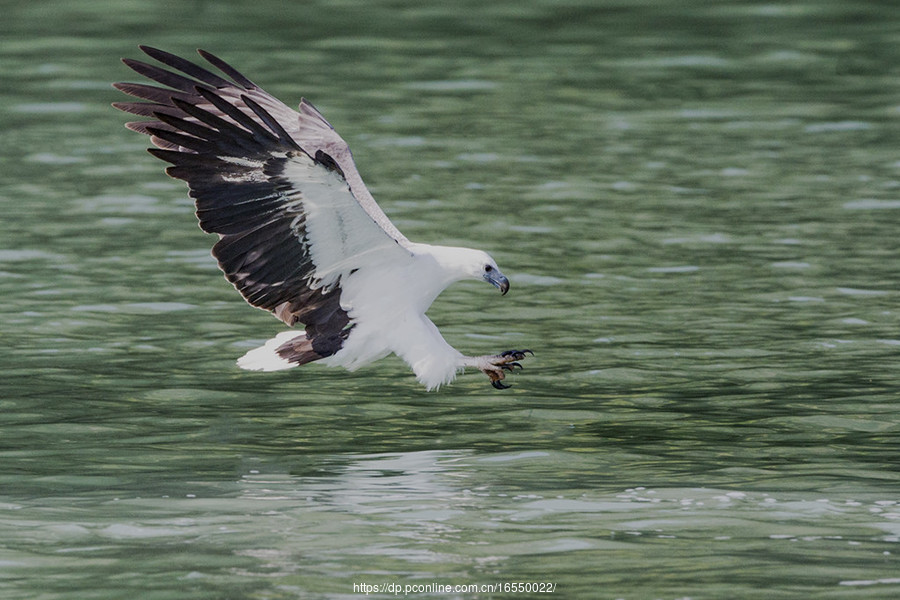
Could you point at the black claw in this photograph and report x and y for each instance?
(513, 364)
(500, 385)
(516, 354)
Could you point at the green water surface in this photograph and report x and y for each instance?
(698, 206)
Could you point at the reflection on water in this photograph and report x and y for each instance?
(696, 205)
(453, 515)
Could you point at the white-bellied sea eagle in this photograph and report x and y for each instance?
(299, 233)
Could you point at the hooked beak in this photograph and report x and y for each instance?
(499, 280)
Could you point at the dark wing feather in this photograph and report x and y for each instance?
(233, 143)
(186, 67)
(223, 66)
(307, 127)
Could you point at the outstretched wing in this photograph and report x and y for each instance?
(279, 188)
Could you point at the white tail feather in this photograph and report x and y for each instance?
(265, 358)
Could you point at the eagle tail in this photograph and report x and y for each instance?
(286, 350)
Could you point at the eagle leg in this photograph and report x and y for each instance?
(494, 366)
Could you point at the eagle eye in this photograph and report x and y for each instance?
(488, 268)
